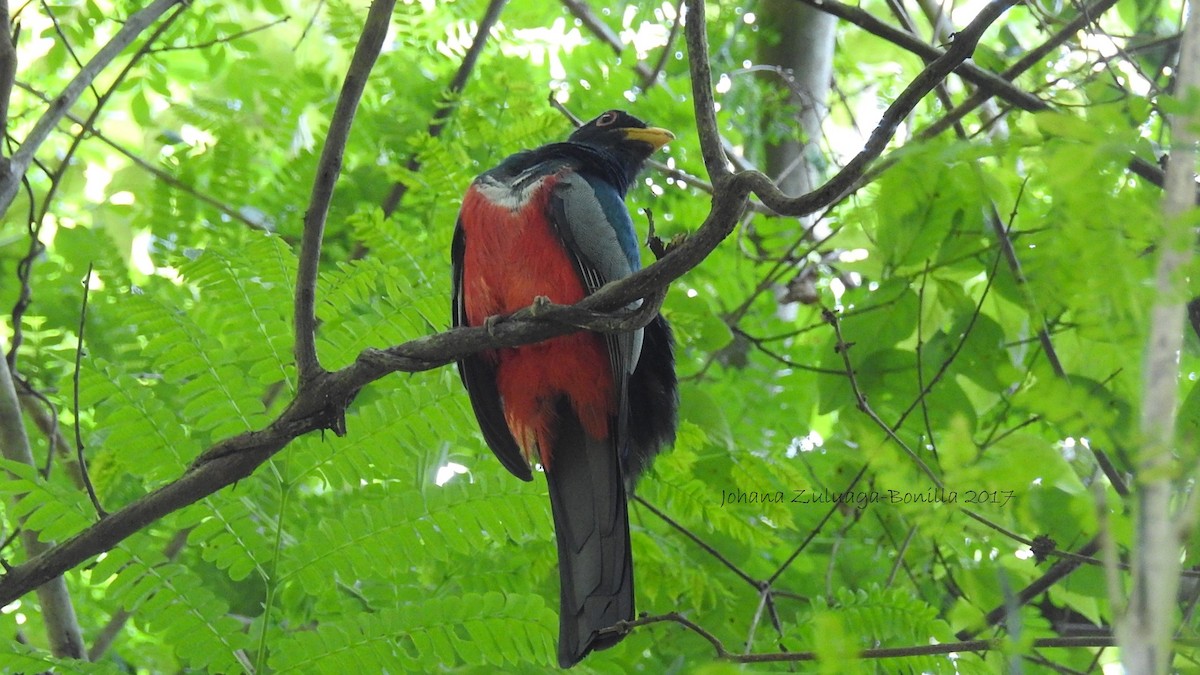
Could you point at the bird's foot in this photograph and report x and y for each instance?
(539, 305)
(490, 324)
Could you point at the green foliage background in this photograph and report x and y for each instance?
(344, 554)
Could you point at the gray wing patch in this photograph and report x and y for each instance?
(591, 237)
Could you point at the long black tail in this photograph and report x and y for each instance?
(591, 523)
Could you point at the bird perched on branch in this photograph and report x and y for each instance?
(592, 409)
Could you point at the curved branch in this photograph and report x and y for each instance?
(330, 165)
(703, 103)
(960, 50)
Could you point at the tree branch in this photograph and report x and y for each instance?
(989, 83)
(1145, 629)
(220, 40)
(328, 168)
(58, 614)
(14, 170)
(877, 653)
(8, 68)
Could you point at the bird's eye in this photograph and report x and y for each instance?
(607, 118)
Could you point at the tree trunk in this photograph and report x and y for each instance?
(804, 53)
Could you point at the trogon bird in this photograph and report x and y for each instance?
(592, 409)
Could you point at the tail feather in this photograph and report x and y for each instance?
(591, 524)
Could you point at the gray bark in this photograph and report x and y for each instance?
(804, 52)
(58, 613)
(1145, 630)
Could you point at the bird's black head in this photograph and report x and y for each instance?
(624, 138)
(617, 130)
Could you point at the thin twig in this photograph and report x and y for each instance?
(724, 654)
(87, 481)
(220, 40)
(442, 116)
(312, 20)
(146, 166)
(813, 533)
(698, 541)
(47, 422)
(65, 42)
(860, 398)
(77, 139)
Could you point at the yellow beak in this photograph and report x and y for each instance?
(655, 136)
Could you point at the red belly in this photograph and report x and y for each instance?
(511, 258)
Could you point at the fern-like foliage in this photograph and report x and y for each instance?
(490, 629)
(837, 628)
(171, 601)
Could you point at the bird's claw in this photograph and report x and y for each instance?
(490, 324)
(539, 305)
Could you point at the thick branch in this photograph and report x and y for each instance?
(1145, 630)
(8, 68)
(705, 106)
(330, 165)
(58, 613)
(11, 175)
(319, 406)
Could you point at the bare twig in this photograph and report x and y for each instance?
(45, 416)
(87, 480)
(989, 83)
(699, 542)
(960, 49)
(860, 398)
(328, 169)
(878, 653)
(146, 166)
(442, 116)
(312, 20)
(220, 40)
(65, 41)
(65, 162)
